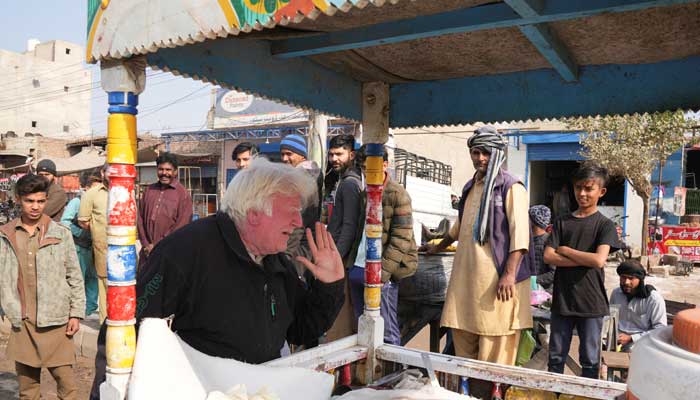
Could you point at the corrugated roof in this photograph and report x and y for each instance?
(124, 28)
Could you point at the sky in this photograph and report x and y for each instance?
(159, 108)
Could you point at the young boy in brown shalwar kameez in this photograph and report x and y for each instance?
(41, 292)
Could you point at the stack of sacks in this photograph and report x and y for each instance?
(165, 367)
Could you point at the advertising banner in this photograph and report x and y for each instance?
(240, 109)
(679, 240)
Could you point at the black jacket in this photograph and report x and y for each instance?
(223, 303)
(344, 224)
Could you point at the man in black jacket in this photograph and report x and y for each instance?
(226, 281)
(344, 222)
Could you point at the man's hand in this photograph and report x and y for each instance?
(623, 339)
(147, 250)
(506, 287)
(563, 251)
(327, 266)
(428, 248)
(73, 326)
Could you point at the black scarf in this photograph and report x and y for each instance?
(635, 269)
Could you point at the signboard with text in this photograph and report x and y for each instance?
(679, 240)
(240, 109)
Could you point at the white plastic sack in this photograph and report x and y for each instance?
(165, 367)
(426, 393)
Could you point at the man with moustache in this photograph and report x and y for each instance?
(345, 222)
(487, 304)
(642, 309)
(165, 206)
(345, 219)
(57, 196)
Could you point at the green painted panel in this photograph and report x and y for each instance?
(93, 6)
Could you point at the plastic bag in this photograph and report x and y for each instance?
(525, 347)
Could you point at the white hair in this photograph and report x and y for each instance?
(254, 187)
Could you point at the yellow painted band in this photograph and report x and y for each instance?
(374, 178)
(91, 35)
(121, 128)
(121, 139)
(121, 346)
(229, 13)
(373, 231)
(374, 163)
(121, 154)
(373, 297)
(121, 235)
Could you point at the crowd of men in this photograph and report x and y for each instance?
(265, 262)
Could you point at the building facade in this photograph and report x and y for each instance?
(46, 90)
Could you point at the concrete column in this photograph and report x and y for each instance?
(375, 124)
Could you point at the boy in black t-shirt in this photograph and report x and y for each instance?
(578, 246)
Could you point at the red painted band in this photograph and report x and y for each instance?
(121, 303)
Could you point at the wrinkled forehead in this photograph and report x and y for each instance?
(286, 201)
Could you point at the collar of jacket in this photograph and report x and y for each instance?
(48, 233)
(350, 172)
(232, 237)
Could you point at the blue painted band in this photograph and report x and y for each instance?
(122, 110)
(123, 99)
(121, 263)
(375, 149)
(374, 249)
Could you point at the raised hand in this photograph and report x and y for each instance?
(327, 266)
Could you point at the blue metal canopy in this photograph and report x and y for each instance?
(446, 61)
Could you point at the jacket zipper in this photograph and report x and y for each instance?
(272, 302)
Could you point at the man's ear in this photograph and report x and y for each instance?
(352, 155)
(603, 191)
(253, 217)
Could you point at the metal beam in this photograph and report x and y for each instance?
(218, 135)
(552, 49)
(526, 8)
(491, 16)
(508, 374)
(544, 40)
(247, 65)
(601, 89)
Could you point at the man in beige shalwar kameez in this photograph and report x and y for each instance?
(488, 299)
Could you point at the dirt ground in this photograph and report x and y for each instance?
(8, 381)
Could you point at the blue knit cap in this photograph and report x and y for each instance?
(294, 143)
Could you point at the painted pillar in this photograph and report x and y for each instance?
(123, 89)
(374, 173)
(375, 132)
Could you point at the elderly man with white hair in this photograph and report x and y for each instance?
(226, 280)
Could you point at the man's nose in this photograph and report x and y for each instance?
(296, 222)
